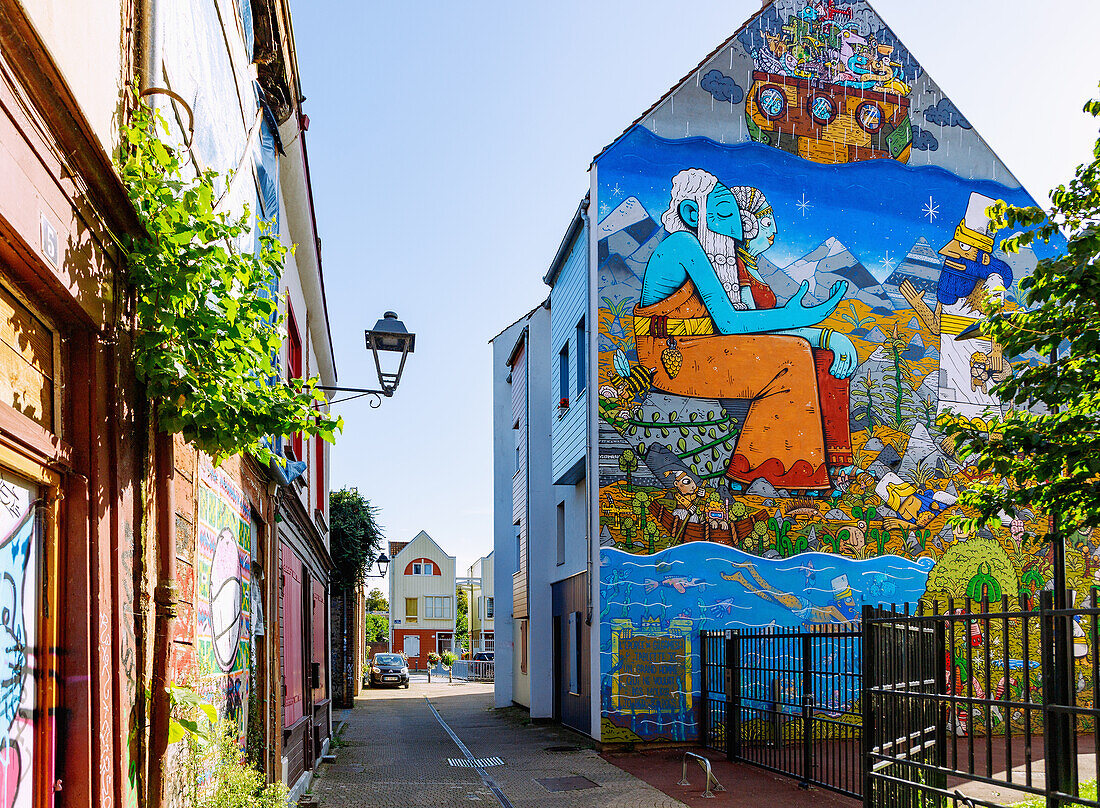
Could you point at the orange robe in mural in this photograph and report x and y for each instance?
(797, 422)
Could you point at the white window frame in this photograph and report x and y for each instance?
(437, 607)
(489, 608)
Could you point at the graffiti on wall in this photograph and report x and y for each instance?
(18, 618)
(779, 329)
(223, 552)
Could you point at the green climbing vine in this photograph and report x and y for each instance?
(209, 329)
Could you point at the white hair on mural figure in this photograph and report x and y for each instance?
(692, 184)
(695, 185)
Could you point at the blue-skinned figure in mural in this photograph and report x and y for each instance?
(710, 327)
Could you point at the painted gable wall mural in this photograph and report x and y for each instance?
(788, 248)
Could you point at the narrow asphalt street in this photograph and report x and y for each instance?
(395, 752)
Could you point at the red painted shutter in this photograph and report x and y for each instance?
(293, 698)
(319, 644)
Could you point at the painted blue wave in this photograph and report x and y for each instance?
(872, 206)
(644, 592)
(638, 587)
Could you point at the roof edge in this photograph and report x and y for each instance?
(571, 232)
(764, 7)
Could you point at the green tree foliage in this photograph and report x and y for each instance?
(216, 777)
(354, 536)
(376, 601)
(377, 628)
(462, 620)
(1045, 453)
(209, 329)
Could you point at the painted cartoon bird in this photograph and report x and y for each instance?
(634, 382)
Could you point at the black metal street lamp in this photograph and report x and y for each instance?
(389, 336)
(383, 563)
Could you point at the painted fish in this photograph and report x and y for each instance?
(679, 583)
(726, 604)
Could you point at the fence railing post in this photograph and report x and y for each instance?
(940, 662)
(1049, 668)
(704, 700)
(1057, 667)
(867, 733)
(733, 695)
(807, 712)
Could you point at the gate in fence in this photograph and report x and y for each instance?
(915, 710)
(904, 734)
(1000, 693)
(787, 701)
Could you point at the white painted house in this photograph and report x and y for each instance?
(422, 599)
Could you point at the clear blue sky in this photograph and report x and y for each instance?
(449, 144)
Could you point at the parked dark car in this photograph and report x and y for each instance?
(483, 656)
(389, 669)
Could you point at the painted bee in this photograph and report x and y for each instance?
(633, 382)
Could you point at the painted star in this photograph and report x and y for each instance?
(803, 205)
(617, 191)
(931, 210)
(604, 209)
(887, 263)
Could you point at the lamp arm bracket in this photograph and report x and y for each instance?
(383, 392)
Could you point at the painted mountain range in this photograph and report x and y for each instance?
(823, 266)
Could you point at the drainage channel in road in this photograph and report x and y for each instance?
(477, 764)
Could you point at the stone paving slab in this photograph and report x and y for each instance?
(393, 753)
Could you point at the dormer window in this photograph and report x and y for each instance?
(422, 566)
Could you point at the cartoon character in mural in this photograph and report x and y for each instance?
(689, 496)
(703, 301)
(969, 275)
(798, 605)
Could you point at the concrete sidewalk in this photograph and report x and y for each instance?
(746, 786)
(394, 753)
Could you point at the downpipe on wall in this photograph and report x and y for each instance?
(592, 400)
(165, 597)
(165, 594)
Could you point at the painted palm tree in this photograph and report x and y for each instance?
(866, 389)
(854, 319)
(901, 397)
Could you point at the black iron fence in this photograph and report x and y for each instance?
(787, 701)
(965, 703)
(970, 694)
